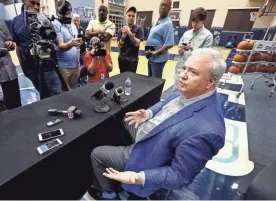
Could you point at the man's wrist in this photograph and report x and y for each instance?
(150, 114)
(142, 178)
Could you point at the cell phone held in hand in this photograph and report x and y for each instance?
(150, 48)
(184, 44)
(49, 146)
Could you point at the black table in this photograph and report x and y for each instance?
(65, 173)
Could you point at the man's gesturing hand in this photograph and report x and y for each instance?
(138, 117)
(123, 177)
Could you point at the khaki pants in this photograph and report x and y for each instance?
(70, 76)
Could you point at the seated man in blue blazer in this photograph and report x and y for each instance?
(173, 139)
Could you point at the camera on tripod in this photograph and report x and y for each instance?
(40, 26)
(42, 47)
(97, 48)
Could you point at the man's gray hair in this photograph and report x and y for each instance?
(75, 15)
(217, 64)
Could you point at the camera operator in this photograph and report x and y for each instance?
(8, 74)
(98, 64)
(102, 28)
(68, 52)
(22, 37)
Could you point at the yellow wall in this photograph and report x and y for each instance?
(221, 7)
(273, 22)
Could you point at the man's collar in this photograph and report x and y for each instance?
(161, 20)
(195, 99)
(104, 22)
(199, 29)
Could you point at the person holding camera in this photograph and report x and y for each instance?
(198, 37)
(129, 39)
(102, 28)
(22, 37)
(68, 52)
(161, 37)
(97, 61)
(8, 74)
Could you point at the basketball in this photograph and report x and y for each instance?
(271, 69)
(263, 57)
(261, 68)
(256, 57)
(274, 58)
(269, 57)
(251, 44)
(251, 69)
(235, 69)
(242, 45)
(240, 58)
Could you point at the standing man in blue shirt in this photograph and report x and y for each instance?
(162, 37)
(22, 37)
(68, 51)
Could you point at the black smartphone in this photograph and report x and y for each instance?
(150, 48)
(184, 44)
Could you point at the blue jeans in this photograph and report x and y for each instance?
(156, 69)
(52, 82)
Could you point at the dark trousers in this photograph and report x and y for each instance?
(51, 84)
(11, 94)
(156, 69)
(110, 156)
(125, 66)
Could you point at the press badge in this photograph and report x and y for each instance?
(102, 76)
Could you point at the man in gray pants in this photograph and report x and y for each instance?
(110, 156)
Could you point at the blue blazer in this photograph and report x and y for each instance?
(174, 152)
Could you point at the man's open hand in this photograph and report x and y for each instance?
(123, 177)
(138, 117)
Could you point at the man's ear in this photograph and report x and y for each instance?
(212, 83)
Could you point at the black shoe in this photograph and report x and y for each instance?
(97, 194)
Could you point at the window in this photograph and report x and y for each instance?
(176, 4)
(116, 15)
(239, 20)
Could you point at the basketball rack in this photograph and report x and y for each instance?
(259, 47)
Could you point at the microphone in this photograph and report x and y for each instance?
(118, 96)
(105, 89)
(72, 112)
(99, 95)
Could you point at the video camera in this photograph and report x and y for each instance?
(97, 48)
(42, 46)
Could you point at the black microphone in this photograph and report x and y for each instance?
(72, 112)
(99, 95)
(105, 89)
(118, 96)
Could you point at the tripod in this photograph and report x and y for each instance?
(45, 59)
